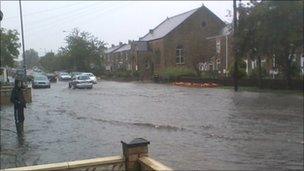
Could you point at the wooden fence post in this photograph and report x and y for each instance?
(132, 151)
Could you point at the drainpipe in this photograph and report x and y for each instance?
(226, 55)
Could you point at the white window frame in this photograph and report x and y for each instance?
(179, 55)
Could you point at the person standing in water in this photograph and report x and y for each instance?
(18, 100)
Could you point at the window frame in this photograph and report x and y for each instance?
(179, 55)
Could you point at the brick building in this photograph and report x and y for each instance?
(223, 55)
(109, 60)
(179, 41)
(185, 40)
(121, 58)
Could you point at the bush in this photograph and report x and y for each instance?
(295, 70)
(173, 73)
(254, 74)
(211, 74)
(123, 74)
(241, 70)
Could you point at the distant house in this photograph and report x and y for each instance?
(179, 41)
(109, 61)
(223, 52)
(121, 58)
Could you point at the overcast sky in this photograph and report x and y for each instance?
(46, 23)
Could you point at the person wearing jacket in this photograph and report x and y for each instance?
(18, 100)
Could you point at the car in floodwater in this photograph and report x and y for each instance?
(51, 77)
(81, 81)
(40, 81)
(92, 77)
(64, 76)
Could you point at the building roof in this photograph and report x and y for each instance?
(112, 48)
(140, 45)
(167, 26)
(124, 47)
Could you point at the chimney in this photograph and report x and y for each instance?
(151, 31)
(120, 43)
(129, 41)
(112, 45)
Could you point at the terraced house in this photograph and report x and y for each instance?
(109, 57)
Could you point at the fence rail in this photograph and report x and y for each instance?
(135, 157)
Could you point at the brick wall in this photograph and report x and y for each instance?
(192, 34)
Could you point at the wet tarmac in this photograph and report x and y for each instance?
(188, 128)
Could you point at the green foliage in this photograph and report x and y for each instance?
(270, 28)
(31, 58)
(9, 43)
(255, 73)
(295, 70)
(173, 73)
(241, 70)
(84, 50)
(82, 53)
(123, 74)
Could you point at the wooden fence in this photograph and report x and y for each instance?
(135, 157)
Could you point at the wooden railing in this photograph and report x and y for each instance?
(135, 157)
(105, 163)
(149, 164)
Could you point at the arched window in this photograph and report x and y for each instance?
(180, 59)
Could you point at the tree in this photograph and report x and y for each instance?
(271, 28)
(9, 47)
(48, 61)
(31, 58)
(84, 51)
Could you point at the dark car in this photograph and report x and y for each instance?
(52, 77)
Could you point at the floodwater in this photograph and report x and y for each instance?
(188, 128)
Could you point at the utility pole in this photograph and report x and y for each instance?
(1, 14)
(22, 38)
(235, 75)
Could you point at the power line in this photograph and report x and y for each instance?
(42, 11)
(62, 21)
(54, 19)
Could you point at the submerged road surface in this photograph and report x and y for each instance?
(188, 128)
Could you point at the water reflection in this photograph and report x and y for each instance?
(20, 134)
(214, 129)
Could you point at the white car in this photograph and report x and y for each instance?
(64, 76)
(81, 81)
(92, 77)
(41, 81)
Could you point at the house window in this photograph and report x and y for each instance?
(217, 66)
(147, 64)
(273, 62)
(203, 24)
(180, 59)
(218, 46)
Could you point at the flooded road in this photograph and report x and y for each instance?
(188, 128)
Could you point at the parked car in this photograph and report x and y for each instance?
(81, 81)
(92, 77)
(73, 74)
(41, 81)
(64, 76)
(52, 77)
